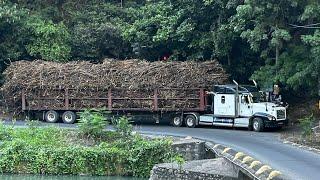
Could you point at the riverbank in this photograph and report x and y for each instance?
(59, 151)
(63, 177)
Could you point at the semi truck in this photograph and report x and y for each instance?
(221, 105)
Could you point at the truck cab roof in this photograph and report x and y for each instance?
(250, 88)
(229, 89)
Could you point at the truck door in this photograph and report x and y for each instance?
(224, 105)
(245, 105)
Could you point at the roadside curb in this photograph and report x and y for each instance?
(252, 167)
(304, 147)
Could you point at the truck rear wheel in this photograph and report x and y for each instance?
(51, 116)
(190, 121)
(69, 117)
(177, 121)
(257, 124)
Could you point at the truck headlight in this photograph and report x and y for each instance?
(271, 118)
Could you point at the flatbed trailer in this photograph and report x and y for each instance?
(224, 105)
(161, 103)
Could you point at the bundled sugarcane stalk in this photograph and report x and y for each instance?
(136, 77)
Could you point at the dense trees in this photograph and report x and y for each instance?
(267, 40)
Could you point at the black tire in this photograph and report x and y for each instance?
(51, 116)
(177, 121)
(190, 121)
(257, 124)
(69, 117)
(30, 115)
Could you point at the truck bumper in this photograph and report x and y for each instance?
(275, 124)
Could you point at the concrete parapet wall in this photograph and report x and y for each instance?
(190, 149)
(209, 169)
(249, 167)
(201, 165)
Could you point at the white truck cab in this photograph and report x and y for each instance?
(233, 106)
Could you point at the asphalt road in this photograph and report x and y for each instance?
(296, 163)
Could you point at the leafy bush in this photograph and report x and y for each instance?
(92, 122)
(47, 151)
(19, 157)
(48, 40)
(45, 137)
(306, 124)
(122, 126)
(5, 132)
(53, 150)
(180, 161)
(144, 154)
(33, 125)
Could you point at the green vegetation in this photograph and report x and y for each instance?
(309, 134)
(52, 150)
(92, 122)
(307, 124)
(180, 161)
(122, 126)
(266, 40)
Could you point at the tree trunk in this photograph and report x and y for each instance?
(60, 8)
(319, 88)
(277, 54)
(277, 59)
(229, 60)
(319, 95)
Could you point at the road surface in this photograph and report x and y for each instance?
(294, 162)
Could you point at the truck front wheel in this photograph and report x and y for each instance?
(257, 124)
(51, 116)
(190, 121)
(177, 121)
(69, 117)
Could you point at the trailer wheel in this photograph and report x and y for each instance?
(257, 124)
(51, 116)
(69, 117)
(177, 121)
(190, 121)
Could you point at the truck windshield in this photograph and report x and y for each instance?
(256, 99)
(247, 99)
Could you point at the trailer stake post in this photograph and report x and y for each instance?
(109, 100)
(155, 100)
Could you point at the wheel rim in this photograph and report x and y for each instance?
(68, 117)
(255, 125)
(51, 117)
(190, 122)
(177, 121)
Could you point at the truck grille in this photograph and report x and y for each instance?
(281, 114)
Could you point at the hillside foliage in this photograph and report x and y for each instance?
(266, 40)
